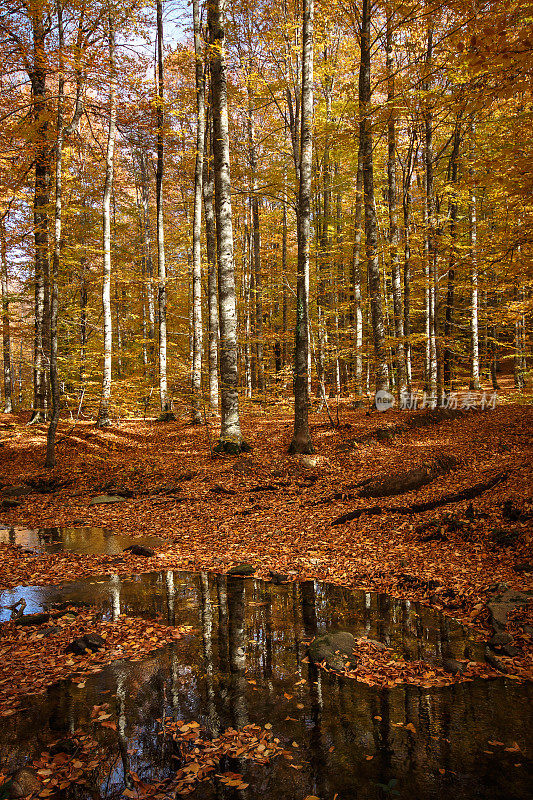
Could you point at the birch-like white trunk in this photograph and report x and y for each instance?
(6, 332)
(394, 238)
(230, 432)
(208, 186)
(103, 412)
(166, 409)
(196, 372)
(371, 231)
(474, 324)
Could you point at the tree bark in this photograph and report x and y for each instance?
(431, 253)
(230, 432)
(448, 320)
(41, 203)
(301, 441)
(196, 386)
(397, 302)
(357, 299)
(6, 333)
(211, 248)
(50, 460)
(371, 232)
(166, 408)
(103, 412)
(472, 229)
(257, 316)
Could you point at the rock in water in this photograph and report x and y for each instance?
(452, 666)
(21, 783)
(278, 577)
(242, 570)
(335, 649)
(139, 550)
(89, 641)
(102, 499)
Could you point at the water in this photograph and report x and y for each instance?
(245, 663)
(88, 541)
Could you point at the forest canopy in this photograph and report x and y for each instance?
(227, 200)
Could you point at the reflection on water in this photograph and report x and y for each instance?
(246, 664)
(88, 541)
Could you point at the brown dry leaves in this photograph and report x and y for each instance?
(30, 661)
(276, 518)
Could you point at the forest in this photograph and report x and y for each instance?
(265, 452)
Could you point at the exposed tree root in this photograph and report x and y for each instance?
(418, 508)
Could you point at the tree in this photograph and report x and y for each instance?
(230, 440)
(197, 221)
(166, 408)
(301, 440)
(371, 232)
(103, 412)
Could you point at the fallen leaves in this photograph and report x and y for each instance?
(29, 662)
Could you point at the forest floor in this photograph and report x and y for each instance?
(275, 511)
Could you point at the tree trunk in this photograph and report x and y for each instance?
(357, 300)
(40, 212)
(197, 223)
(230, 432)
(472, 229)
(166, 408)
(103, 412)
(257, 316)
(371, 231)
(147, 256)
(448, 320)
(50, 460)
(6, 334)
(430, 239)
(401, 382)
(301, 441)
(211, 247)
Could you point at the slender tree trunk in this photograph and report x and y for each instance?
(430, 239)
(284, 276)
(448, 320)
(103, 412)
(472, 227)
(149, 269)
(230, 432)
(83, 319)
(407, 258)
(166, 408)
(50, 460)
(211, 247)
(301, 441)
(256, 249)
(40, 211)
(357, 314)
(371, 231)
(197, 223)
(6, 333)
(394, 240)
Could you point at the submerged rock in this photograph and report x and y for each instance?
(335, 649)
(278, 577)
(139, 550)
(21, 783)
(242, 570)
(452, 666)
(89, 641)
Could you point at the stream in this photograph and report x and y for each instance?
(245, 663)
